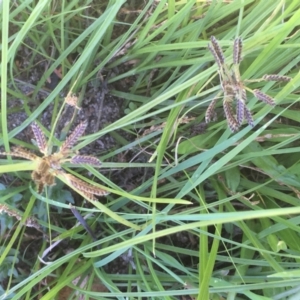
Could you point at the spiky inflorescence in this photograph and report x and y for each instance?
(85, 159)
(248, 116)
(89, 196)
(85, 187)
(216, 57)
(275, 77)
(229, 90)
(73, 137)
(29, 222)
(39, 137)
(240, 111)
(232, 122)
(23, 153)
(264, 97)
(237, 50)
(218, 49)
(210, 110)
(39, 187)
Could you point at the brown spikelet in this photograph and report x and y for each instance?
(29, 222)
(275, 77)
(229, 90)
(248, 116)
(89, 196)
(232, 122)
(218, 50)
(39, 137)
(23, 153)
(43, 167)
(85, 159)
(85, 187)
(36, 177)
(40, 187)
(237, 50)
(210, 110)
(264, 97)
(240, 111)
(74, 136)
(216, 57)
(244, 95)
(49, 179)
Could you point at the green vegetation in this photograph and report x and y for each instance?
(193, 209)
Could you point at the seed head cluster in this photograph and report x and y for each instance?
(233, 88)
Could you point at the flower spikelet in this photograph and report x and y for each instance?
(85, 187)
(73, 137)
(276, 77)
(248, 116)
(39, 137)
(232, 122)
(210, 110)
(264, 97)
(85, 159)
(237, 50)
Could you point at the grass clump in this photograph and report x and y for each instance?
(193, 209)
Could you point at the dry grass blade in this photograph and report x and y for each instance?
(74, 136)
(264, 97)
(275, 77)
(237, 51)
(232, 122)
(85, 159)
(209, 114)
(39, 137)
(85, 187)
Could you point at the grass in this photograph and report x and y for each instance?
(214, 215)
